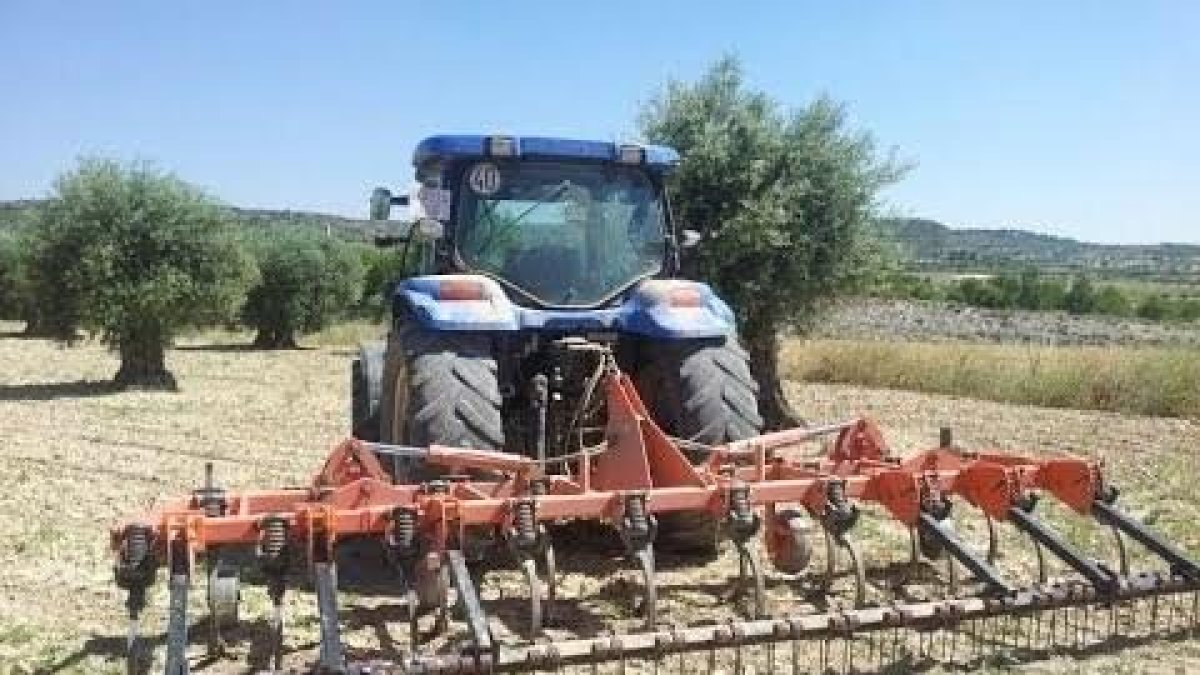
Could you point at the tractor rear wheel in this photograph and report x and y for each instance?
(439, 388)
(701, 391)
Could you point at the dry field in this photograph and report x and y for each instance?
(76, 456)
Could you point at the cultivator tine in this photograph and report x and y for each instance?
(825, 581)
(530, 544)
(332, 658)
(468, 601)
(177, 621)
(1176, 558)
(274, 559)
(980, 567)
(1103, 579)
(993, 547)
(857, 565)
(743, 523)
(649, 606)
(529, 567)
(134, 571)
(638, 529)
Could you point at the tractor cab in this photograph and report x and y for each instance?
(558, 223)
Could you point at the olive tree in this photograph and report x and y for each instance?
(12, 276)
(784, 201)
(134, 255)
(306, 281)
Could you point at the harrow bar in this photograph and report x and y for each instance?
(942, 615)
(752, 487)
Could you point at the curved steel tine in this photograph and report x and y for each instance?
(1122, 554)
(748, 560)
(411, 602)
(951, 576)
(914, 555)
(133, 651)
(645, 559)
(831, 547)
(529, 568)
(443, 618)
(550, 567)
(860, 573)
(277, 635)
(1041, 561)
(993, 548)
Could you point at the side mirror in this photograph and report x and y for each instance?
(382, 201)
(689, 238)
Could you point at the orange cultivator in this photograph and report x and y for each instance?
(751, 487)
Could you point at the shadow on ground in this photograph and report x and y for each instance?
(43, 391)
(237, 347)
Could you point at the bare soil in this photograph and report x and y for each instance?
(77, 456)
(876, 319)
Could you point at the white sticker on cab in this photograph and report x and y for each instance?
(435, 202)
(484, 179)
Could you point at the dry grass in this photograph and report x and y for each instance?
(1147, 381)
(77, 456)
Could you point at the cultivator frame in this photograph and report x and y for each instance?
(750, 486)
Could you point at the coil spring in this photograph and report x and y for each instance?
(739, 503)
(404, 528)
(841, 514)
(273, 542)
(137, 545)
(743, 522)
(637, 522)
(539, 486)
(214, 507)
(525, 522)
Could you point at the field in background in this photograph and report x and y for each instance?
(1148, 381)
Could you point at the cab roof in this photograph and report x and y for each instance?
(658, 158)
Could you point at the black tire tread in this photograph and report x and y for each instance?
(450, 387)
(704, 392)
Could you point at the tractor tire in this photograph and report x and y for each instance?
(701, 391)
(439, 388)
(366, 383)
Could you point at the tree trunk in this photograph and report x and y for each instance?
(143, 366)
(275, 338)
(763, 344)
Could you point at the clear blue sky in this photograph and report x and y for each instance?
(1076, 118)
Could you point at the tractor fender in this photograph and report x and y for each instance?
(675, 309)
(456, 302)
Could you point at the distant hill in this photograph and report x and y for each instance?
(926, 245)
(930, 245)
(15, 213)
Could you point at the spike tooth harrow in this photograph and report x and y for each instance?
(640, 472)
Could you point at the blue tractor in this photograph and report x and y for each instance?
(539, 259)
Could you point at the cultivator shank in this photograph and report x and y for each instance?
(756, 488)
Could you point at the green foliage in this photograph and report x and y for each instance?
(134, 255)
(1153, 307)
(306, 281)
(383, 268)
(785, 202)
(1111, 301)
(784, 199)
(13, 276)
(1081, 297)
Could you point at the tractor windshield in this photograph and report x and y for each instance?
(566, 234)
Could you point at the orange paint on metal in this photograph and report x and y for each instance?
(460, 290)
